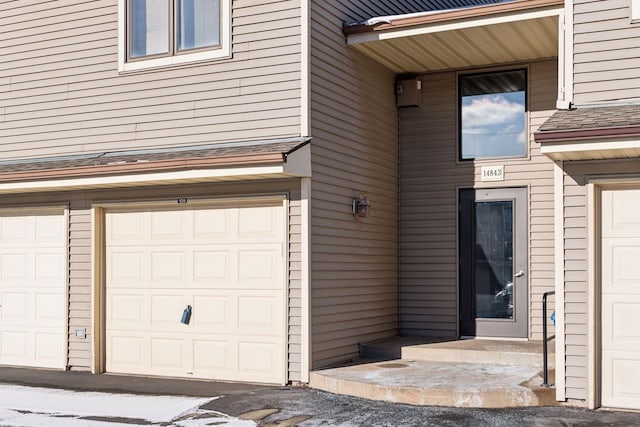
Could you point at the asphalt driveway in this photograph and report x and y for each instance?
(31, 397)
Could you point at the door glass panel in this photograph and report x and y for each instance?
(494, 259)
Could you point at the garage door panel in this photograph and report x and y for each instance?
(620, 272)
(212, 224)
(166, 309)
(213, 358)
(15, 345)
(125, 269)
(15, 229)
(126, 227)
(212, 267)
(16, 307)
(167, 353)
(16, 267)
(126, 352)
(213, 311)
(125, 309)
(259, 314)
(168, 266)
(260, 267)
(49, 268)
(49, 228)
(48, 347)
(259, 360)
(621, 330)
(168, 225)
(618, 219)
(621, 376)
(259, 223)
(228, 264)
(48, 308)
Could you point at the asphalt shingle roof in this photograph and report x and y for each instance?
(230, 150)
(593, 118)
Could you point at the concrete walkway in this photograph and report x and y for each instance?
(461, 373)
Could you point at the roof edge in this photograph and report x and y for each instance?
(410, 20)
(145, 167)
(586, 134)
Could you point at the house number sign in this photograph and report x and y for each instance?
(492, 173)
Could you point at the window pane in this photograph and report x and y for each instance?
(198, 23)
(149, 20)
(493, 119)
(494, 259)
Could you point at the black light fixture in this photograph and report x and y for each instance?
(360, 206)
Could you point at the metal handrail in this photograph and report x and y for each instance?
(545, 339)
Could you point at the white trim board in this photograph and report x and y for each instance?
(438, 27)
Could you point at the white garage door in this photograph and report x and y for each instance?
(227, 263)
(621, 298)
(32, 288)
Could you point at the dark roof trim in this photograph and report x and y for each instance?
(224, 155)
(586, 134)
(412, 20)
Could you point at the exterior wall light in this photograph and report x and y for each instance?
(360, 206)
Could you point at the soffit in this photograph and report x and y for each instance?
(514, 31)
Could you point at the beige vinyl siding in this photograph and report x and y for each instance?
(430, 177)
(61, 93)
(575, 287)
(577, 175)
(354, 148)
(80, 241)
(605, 52)
(294, 322)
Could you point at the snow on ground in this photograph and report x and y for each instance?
(34, 407)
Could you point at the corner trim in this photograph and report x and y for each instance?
(558, 182)
(305, 237)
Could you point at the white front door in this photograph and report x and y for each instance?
(227, 263)
(33, 265)
(620, 247)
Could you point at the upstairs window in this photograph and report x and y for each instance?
(493, 115)
(165, 32)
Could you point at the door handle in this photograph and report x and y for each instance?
(519, 274)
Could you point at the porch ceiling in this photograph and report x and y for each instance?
(500, 33)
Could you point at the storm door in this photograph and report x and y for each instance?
(493, 263)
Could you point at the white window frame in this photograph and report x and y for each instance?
(635, 10)
(223, 52)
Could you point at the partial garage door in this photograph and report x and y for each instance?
(621, 298)
(33, 288)
(226, 262)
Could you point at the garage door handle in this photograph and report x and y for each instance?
(519, 274)
(186, 315)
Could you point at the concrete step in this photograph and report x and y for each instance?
(495, 352)
(438, 384)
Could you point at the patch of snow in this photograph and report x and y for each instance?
(35, 407)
